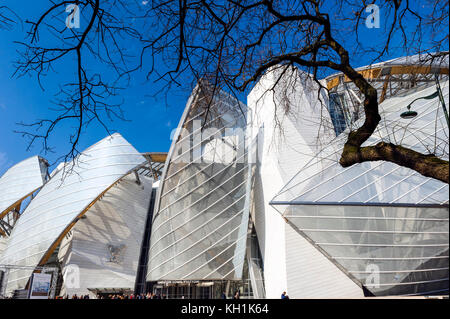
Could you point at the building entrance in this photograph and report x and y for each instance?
(203, 290)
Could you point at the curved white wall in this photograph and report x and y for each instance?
(116, 220)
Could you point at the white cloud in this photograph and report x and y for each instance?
(144, 3)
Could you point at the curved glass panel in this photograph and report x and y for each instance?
(20, 181)
(61, 200)
(384, 225)
(200, 223)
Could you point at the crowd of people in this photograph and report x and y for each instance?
(117, 296)
(143, 296)
(237, 295)
(133, 296)
(74, 297)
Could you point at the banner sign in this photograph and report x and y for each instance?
(40, 286)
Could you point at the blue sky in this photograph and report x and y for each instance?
(150, 121)
(149, 124)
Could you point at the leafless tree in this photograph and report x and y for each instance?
(87, 94)
(233, 44)
(8, 18)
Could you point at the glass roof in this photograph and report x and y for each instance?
(21, 180)
(323, 180)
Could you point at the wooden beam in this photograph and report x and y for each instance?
(374, 73)
(333, 82)
(158, 157)
(16, 204)
(385, 85)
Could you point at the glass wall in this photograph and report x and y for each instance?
(201, 218)
(338, 108)
(389, 250)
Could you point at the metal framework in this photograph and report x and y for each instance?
(155, 165)
(45, 269)
(324, 181)
(391, 79)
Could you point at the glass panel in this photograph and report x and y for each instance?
(404, 246)
(200, 226)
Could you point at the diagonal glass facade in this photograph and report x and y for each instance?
(390, 250)
(200, 221)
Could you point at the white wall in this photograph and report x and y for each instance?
(291, 130)
(311, 275)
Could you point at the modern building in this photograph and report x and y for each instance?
(250, 198)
